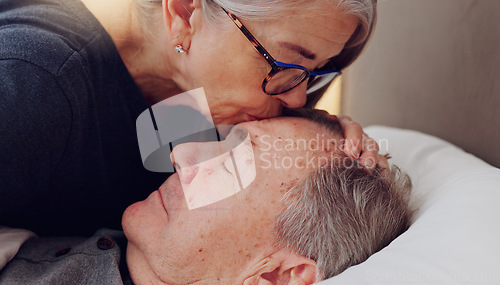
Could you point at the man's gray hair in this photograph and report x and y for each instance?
(340, 215)
(261, 10)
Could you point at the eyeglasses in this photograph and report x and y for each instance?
(285, 76)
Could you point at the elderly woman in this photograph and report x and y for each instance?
(74, 76)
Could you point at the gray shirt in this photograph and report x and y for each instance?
(99, 259)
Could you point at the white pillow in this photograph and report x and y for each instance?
(10, 242)
(454, 238)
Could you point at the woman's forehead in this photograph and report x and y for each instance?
(321, 34)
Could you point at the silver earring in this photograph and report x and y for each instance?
(179, 49)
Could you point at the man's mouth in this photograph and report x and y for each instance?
(162, 201)
(171, 193)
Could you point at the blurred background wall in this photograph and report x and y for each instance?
(432, 66)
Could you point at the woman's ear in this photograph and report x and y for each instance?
(285, 267)
(178, 20)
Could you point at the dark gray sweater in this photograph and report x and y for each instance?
(69, 157)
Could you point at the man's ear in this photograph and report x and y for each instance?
(286, 267)
(178, 16)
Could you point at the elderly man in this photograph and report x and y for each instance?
(305, 213)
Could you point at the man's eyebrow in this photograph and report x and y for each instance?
(299, 49)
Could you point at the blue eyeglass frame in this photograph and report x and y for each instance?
(277, 66)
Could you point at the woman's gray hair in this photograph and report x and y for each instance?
(261, 10)
(340, 215)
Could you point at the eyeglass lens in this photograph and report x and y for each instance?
(285, 80)
(318, 82)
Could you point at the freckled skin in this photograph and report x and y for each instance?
(301, 164)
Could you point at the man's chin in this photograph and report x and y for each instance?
(127, 215)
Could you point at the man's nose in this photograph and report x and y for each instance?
(188, 173)
(294, 98)
(184, 157)
(188, 157)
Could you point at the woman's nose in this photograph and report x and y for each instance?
(294, 98)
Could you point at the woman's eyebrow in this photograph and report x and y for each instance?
(299, 49)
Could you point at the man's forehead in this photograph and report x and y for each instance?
(283, 126)
(293, 130)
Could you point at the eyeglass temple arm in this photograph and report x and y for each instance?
(251, 38)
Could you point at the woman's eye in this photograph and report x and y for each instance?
(323, 66)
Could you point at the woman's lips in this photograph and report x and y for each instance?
(254, 118)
